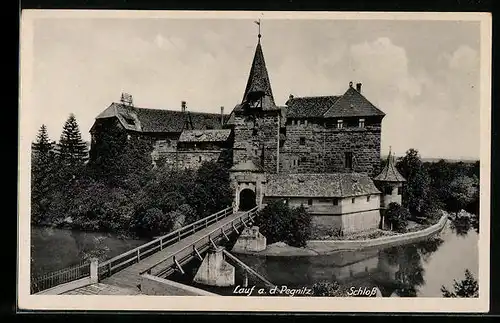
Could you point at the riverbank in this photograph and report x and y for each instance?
(325, 247)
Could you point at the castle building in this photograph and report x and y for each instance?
(321, 152)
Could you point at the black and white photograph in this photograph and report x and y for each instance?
(269, 161)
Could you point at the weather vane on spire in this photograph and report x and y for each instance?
(258, 23)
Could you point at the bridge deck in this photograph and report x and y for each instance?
(130, 276)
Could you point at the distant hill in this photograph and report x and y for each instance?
(435, 160)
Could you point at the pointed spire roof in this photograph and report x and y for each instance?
(258, 83)
(390, 172)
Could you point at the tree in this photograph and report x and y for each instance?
(463, 191)
(416, 192)
(72, 149)
(42, 147)
(211, 191)
(397, 216)
(467, 287)
(301, 227)
(278, 222)
(42, 175)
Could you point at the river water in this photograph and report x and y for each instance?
(418, 269)
(53, 249)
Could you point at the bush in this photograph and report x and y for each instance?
(327, 288)
(279, 223)
(397, 216)
(153, 223)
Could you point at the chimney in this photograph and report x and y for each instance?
(222, 116)
(290, 96)
(350, 84)
(358, 87)
(183, 106)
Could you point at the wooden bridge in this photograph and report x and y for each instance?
(168, 253)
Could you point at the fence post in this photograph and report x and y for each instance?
(94, 270)
(161, 244)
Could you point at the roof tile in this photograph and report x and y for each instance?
(319, 185)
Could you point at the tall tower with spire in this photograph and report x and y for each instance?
(257, 119)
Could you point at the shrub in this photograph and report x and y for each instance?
(327, 288)
(279, 223)
(397, 216)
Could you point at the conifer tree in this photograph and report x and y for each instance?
(42, 166)
(42, 146)
(72, 149)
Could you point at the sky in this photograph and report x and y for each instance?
(423, 74)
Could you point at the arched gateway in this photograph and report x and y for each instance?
(247, 200)
(247, 180)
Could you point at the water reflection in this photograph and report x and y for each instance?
(417, 269)
(403, 266)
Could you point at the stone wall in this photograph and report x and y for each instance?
(323, 149)
(256, 140)
(166, 152)
(360, 221)
(325, 225)
(361, 203)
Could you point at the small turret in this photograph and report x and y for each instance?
(390, 181)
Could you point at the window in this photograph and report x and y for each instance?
(129, 120)
(298, 122)
(293, 122)
(361, 123)
(353, 200)
(340, 124)
(400, 190)
(388, 190)
(335, 201)
(302, 159)
(348, 160)
(302, 141)
(199, 159)
(310, 202)
(305, 122)
(368, 198)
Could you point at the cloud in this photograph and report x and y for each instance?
(385, 64)
(464, 58)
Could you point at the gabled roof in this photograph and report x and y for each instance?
(156, 120)
(246, 166)
(352, 104)
(314, 106)
(390, 172)
(319, 185)
(213, 135)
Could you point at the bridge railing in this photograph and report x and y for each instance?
(128, 258)
(185, 254)
(58, 277)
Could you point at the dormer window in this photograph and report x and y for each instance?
(340, 124)
(361, 123)
(129, 121)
